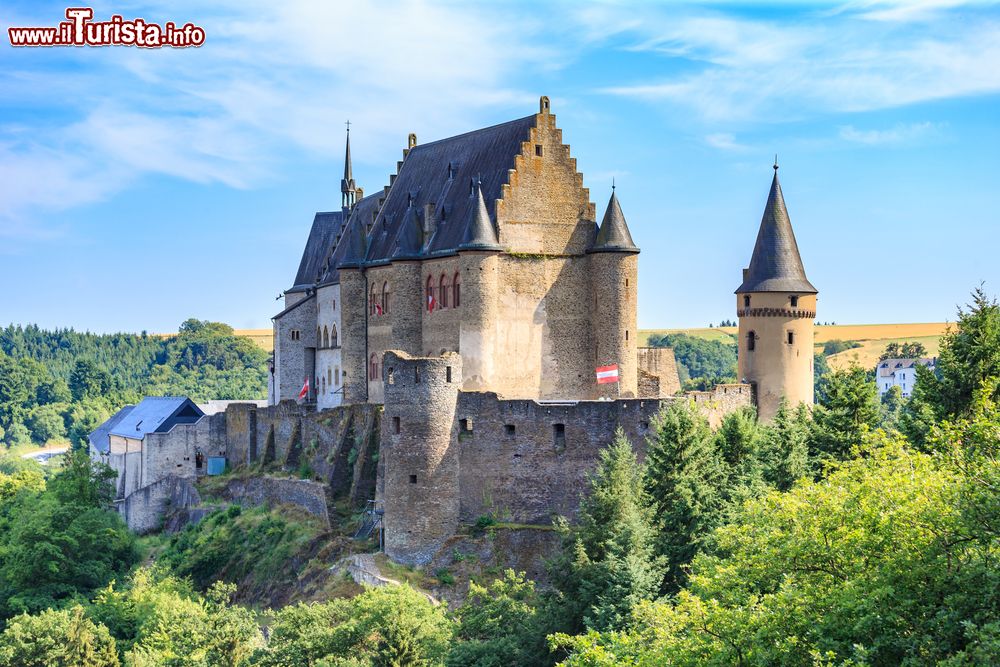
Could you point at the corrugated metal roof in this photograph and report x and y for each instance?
(152, 413)
(99, 437)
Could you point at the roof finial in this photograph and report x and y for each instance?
(775, 162)
(612, 183)
(348, 124)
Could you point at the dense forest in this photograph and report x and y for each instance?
(858, 533)
(59, 385)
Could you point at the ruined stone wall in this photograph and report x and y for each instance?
(173, 453)
(721, 400)
(271, 491)
(143, 510)
(519, 465)
(661, 363)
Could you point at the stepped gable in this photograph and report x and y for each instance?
(444, 173)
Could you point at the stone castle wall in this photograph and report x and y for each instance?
(660, 363)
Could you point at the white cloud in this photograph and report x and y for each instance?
(899, 134)
(724, 141)
(273, 80)
(734, 68)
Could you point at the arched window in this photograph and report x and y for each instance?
(751, 340)
(385, 298)
(430, 294)
(336, 376)
(319, 337)
(333, 336)
(443, 291)
(323, 385)
(372, 301)
(373, 368)
(326, 336)
(456, 291)
(329, 376)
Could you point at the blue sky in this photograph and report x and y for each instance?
(142, 187)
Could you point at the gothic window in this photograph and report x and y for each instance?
(751, 341)
(372, 301)
(385, 298)
(430, 292)
(373, 368)
(333, 336)
(319, 337)
(456, 291)
(326, 336)
(329, 376)
(294, 334)
(323, 385)
(336, 375)
(443, 292)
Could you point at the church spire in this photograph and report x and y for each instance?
(613, 234)
(348, 190)
(776, 265)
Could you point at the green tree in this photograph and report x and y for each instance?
(499, 625)
(390, 626)
(784, 446)
(608, 563)
(913, 350)
(683, 479)
(892, 407)
(701, 363)
(847, 409)
(88, 380)
(46, 423)
(57, 638)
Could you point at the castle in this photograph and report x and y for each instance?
(477, 306)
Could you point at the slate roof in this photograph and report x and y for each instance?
(325, 229)
(353, 243)
(99, 436)
(480, 233)
(888, 367)
(613, 234)
(156, 414)
(444, 173)
(776, 265)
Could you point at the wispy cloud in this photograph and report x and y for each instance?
(897, 135)
(274, 80)
(724, 141)
(739, 68)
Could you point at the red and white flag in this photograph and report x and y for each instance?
(378, 308)
(431, 303)
(607, 374)
(305, 390)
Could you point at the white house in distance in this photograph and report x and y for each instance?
(899, 372)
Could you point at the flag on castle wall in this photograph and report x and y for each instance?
(431, 303)
(607, 374)
(378, 309)
(305, 390)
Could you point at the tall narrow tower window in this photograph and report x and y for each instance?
(456, 291)
(795, 301)
(443, 292)
(791, 337)
(751, 341)
(746, 300)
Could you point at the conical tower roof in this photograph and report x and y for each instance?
(410, 242)
(776, 265)
(479, 232)
(613, 234)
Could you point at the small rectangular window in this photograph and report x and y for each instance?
(413, 479)
(447, 373)
(791, 337)
(538, 150)
(795, 302)
(509, 430)
(465, 425)
(416, 376)
(395, 424)
(626, 334)
(746, 301)
(559, 436)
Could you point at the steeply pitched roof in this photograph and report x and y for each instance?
(156, 414)
(776, 265)
(480, 233)
(99, 437)
(444, 173)
(613, 235)
(325, 229)
(353, 243)
(410, 240)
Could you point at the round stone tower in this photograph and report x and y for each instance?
(614, 272)
(420, 453)
(776, 306)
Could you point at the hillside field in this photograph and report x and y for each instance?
(873, 338)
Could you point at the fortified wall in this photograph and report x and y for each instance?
(449, 457)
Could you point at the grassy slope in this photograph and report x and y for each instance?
(873, 338)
